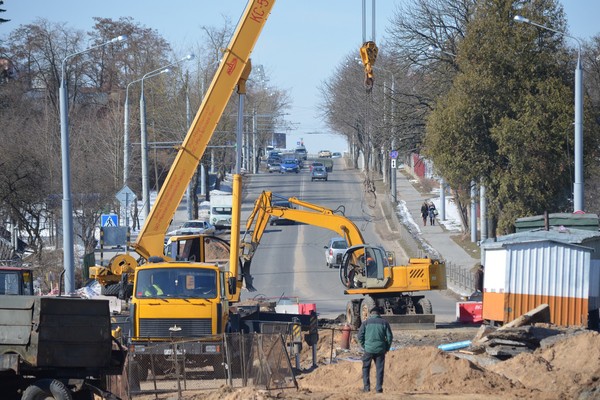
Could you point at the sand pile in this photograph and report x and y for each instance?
(566, 369)
(413, 370)
(570, 367)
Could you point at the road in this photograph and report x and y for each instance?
(290, 261)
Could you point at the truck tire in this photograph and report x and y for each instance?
(424, 307)
(366, 305)
(45, 389)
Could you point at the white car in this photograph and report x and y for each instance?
(194, 227)
(334, 251)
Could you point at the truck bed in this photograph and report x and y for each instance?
(56, 332)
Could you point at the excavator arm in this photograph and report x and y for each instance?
(314, 215)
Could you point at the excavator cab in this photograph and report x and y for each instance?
(198, 248)
(364, 267)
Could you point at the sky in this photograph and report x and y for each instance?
(301, 45)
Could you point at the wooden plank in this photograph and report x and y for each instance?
(539, 314)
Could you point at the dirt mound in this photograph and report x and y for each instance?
(560, 369)
(570, 368)
(413, 369)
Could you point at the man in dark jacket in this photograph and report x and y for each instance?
(375, 337)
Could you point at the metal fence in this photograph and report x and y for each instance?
(460, 279)
(238, 360)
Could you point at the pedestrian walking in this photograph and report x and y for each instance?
(479, 277)
(375, 337)
(425, 212)
(432, 213)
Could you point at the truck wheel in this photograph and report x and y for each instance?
(366, 305)
(45, 389)
(424, 307)
(352, 317)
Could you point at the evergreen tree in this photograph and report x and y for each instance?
(507, 120)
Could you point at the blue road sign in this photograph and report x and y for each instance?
(109, 220)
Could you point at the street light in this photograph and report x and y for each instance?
(144, 136)
(393, 145)
(67, 206)
(578, 205)
(126, 127)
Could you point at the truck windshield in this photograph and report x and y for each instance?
(221, 210)
(9, 283)
(186, 283)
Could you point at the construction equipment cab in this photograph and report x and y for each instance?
(16, 281)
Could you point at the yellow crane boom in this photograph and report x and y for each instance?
(150, 241)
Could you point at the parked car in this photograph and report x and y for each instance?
(318, 173)
(334, 251)
(194, 227)
(275, 220)
(324, 154)
(274, 167)
(289, 165)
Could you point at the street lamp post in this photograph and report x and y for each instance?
(67, 205)
(144, 136)
(126, 142)
(578, 201)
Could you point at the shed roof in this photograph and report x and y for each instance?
(555, 234)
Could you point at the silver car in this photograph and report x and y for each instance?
(334, 251)
(318, 173)
(194, 227)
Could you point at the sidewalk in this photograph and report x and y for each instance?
(436, 240)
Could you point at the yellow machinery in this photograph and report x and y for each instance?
(365, 270)
(368, 55)
(185, 291)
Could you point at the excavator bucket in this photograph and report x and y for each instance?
(410, 321)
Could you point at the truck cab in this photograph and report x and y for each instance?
(221, 206)
(16, 281)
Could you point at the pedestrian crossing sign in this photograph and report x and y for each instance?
(107, 220)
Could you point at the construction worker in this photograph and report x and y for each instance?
(375, 336)
(153, 290)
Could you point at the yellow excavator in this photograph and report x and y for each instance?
(365, 270)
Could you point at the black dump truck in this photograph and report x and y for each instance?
(56, 348)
